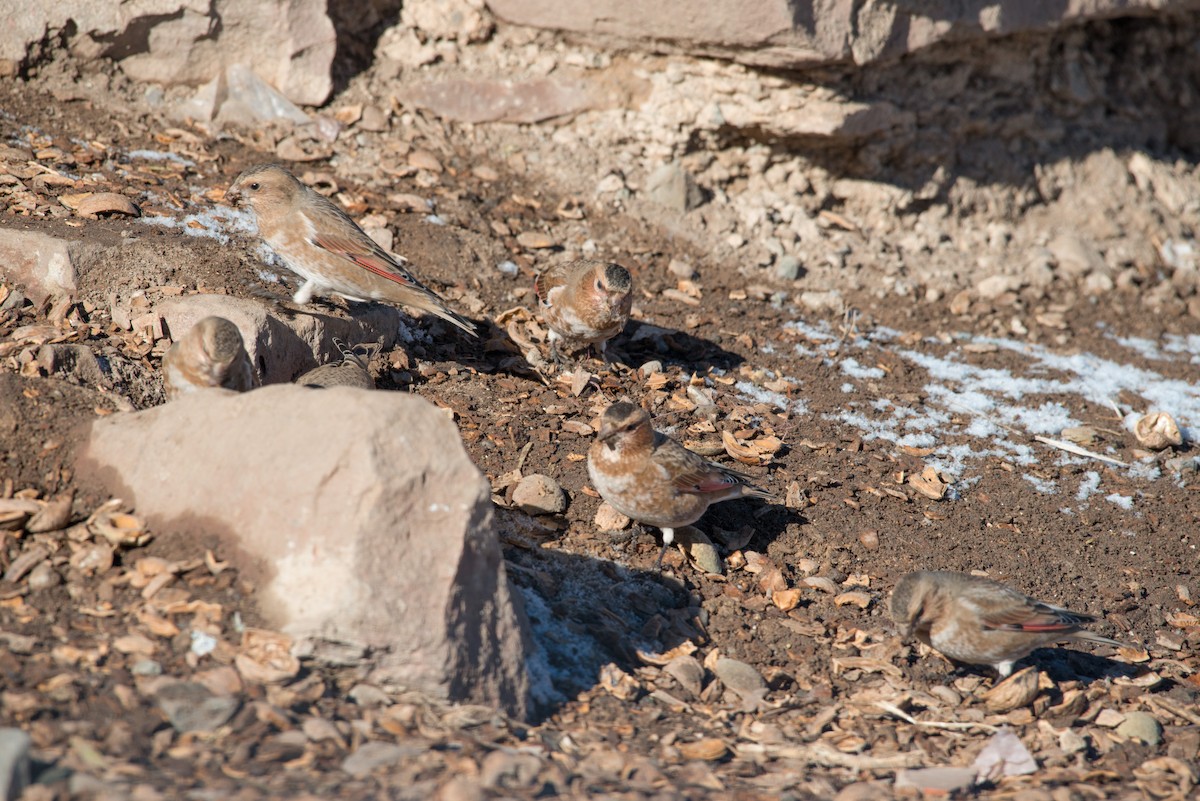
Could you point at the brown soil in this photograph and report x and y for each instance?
(844, 511)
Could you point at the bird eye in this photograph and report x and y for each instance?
(631, 426)
(254, 186)
(599, 286)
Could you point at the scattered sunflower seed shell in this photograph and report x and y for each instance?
(1157, 431)
(1016, 691)
(699, 550)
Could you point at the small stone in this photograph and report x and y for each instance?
(828, 300)
(508, 268)
(742, 679)
(1075, 256)
(190, 706)
(673, 187)
(534, 240)
(650, 368)
(460, 788)
(146, 667)
(43, 577)
(1141, 726)
(377, 754)
(1071, 742)
(368, 695)
(609, 519)
(1109, 718)
(940, 781)
(1097, 284)
(864, 791)
(422, 159)
(994, 286)
(681, 269)
(538, 494)
(15, 766)
(374, 119)
(787, 268)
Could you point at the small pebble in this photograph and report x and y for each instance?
(146, 667)
(537, 494)
(508, 268)
(609, 519)
(368, 695)
(43, 577)
(681, 269)
(190, 706)
(376, 754)
(1141, 726)
(650, 368)
(787, 268)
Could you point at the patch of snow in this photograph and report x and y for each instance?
(158, 155)
(852, 368)
(1041, 485)
(1124, 501)
(1089, 485)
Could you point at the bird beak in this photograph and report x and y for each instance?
(606, 431)
(233, 197)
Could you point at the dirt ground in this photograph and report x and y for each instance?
(887, 396)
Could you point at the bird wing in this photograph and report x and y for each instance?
(370, 257)
(331, 229)
(547, 280)
(1021, 613)
(692, 473)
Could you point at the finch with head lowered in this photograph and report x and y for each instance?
(210, 354)
(349, 371)
(980, 621)
(321, 244)
(584, 303)
(649, 477)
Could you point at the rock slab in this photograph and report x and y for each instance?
(15, 766)
(289, 43)
(806, 33)
(40, 264)
(357, 516)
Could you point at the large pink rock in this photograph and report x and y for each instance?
(289, 43)
(40, 264)
(797, 33)
(357, 515)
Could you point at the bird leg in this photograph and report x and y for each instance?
(304, 293)
(668, 538)
(556, 355)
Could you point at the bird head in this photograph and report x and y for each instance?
(221, 339)
(912, 602)
(263, 187)
(622, 422)
(613, 282)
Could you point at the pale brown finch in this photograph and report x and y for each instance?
(584, 303)
(980, 621)
(321, 244)
(210, 354)
(652, 479)
(349, 371)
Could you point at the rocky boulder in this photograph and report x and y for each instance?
(806, 33)
(39, 264)
(289, 43)
(357, 516)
